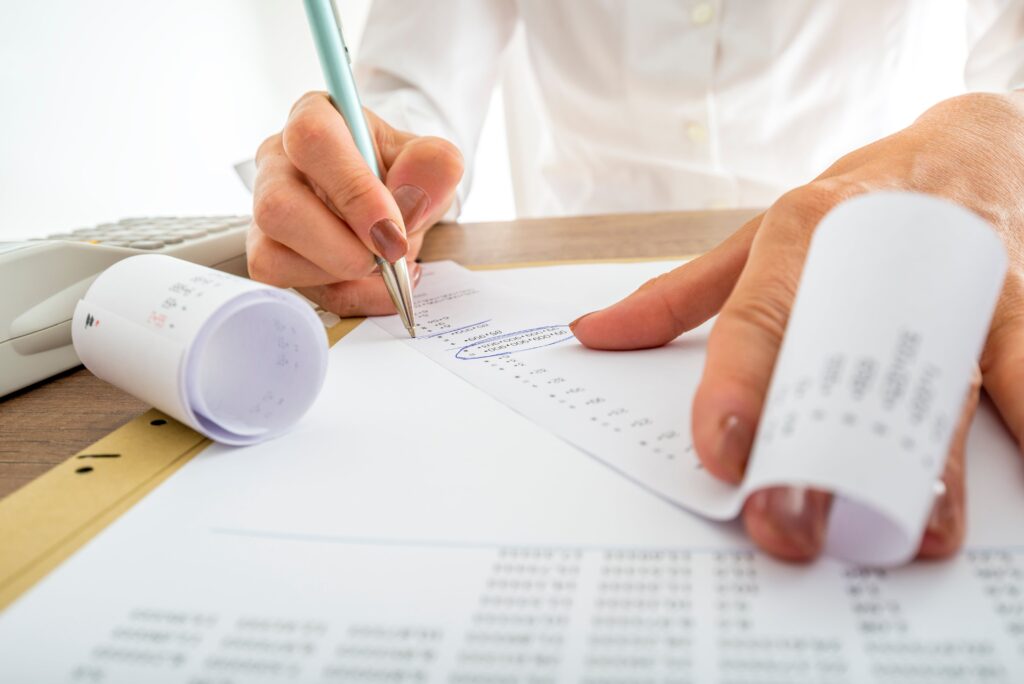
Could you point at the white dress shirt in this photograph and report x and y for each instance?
(627, 105)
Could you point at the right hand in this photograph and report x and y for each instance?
(320, 215)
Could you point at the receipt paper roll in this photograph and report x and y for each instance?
(892, 310)
(236, 360)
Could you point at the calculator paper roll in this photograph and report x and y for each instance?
(892, 311)
(237, 361)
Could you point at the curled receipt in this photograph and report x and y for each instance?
(892, 310)
(235, 360)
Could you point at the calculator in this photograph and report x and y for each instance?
(42, 280)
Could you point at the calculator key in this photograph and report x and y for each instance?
(146, 244)
(219, 227)
(178, 228)
(172, 239)
(83, 231)
(61, 236)
(116, 243)
(192, 233)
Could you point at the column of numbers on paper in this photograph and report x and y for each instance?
(552, 614)
(178, 296)
(554, 391)
(889, 397)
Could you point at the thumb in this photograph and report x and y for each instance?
(674, 302)
(1002, 362)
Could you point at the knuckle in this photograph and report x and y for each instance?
(766, 310)
(304, 131)
(308, 98)
(442, 155)
(355, 189)
(809, 203)
(273, 206)
(268, 147)
(446, 150)
(257, 261)
(652, 283)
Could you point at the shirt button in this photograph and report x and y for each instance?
(696, 132)
(702, 13)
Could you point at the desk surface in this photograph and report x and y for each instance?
(42, 425)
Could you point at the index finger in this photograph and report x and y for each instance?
(318, 142)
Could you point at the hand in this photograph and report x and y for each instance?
(969, 149)
(320, 215)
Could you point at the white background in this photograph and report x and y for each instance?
(114, 108)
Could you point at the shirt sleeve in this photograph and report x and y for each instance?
(995, 34)
(430, 67)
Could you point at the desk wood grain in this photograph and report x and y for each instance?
(42, 425)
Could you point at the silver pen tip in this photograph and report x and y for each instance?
(412, 331)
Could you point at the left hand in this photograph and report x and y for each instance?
(969, 149)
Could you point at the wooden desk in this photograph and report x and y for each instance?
(42, 425)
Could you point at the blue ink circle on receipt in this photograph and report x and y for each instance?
(515, 342)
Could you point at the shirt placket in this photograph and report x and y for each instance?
(701, 130)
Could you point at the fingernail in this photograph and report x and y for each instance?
(734, 444)
(387, 237)
(413, 203)
(944, 514)
(572, 326)
(945, 528)
(417, 273)
(789, 522)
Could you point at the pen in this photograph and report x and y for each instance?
(336, 65)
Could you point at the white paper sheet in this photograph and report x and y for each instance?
(468, 543)
(893, 308)
(235, 360)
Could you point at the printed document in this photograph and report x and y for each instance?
(420, 524)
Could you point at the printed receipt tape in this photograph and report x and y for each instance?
(892, 310)
(237, 361)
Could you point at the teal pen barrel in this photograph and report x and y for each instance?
(334, 62)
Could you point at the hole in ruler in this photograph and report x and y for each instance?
(99, 455)
(84, 469)
(158, 421)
